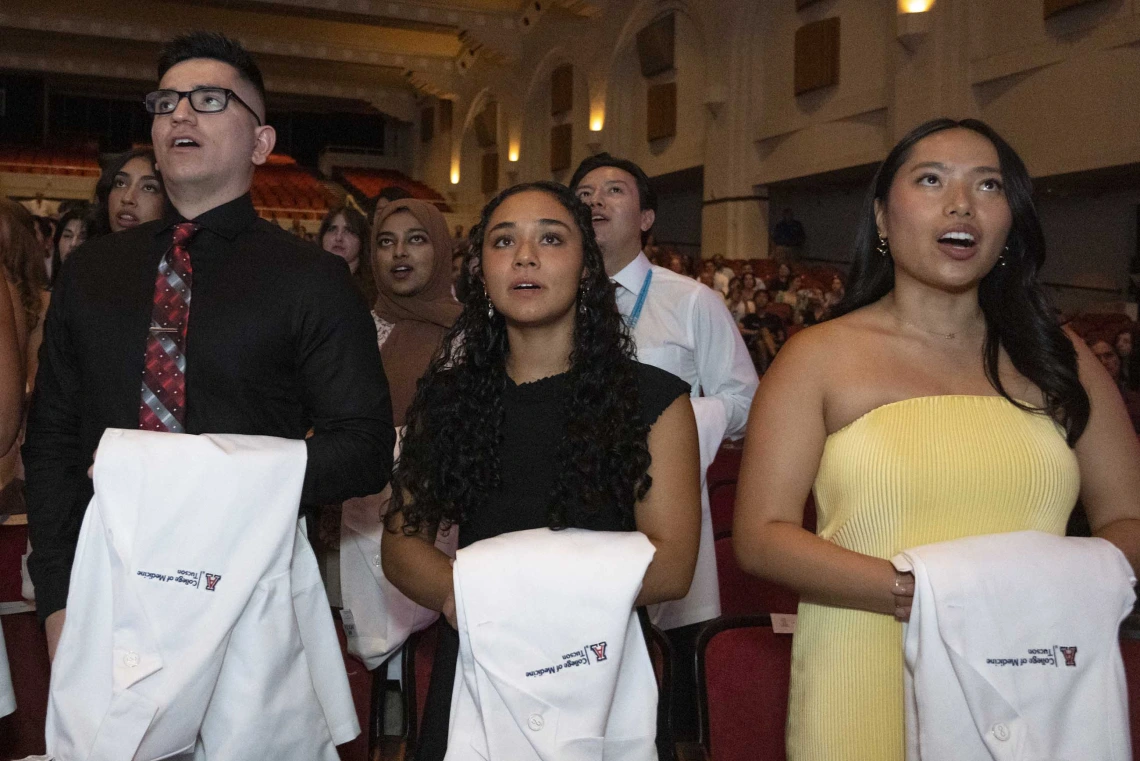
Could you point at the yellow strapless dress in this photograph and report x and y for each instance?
(922, 470)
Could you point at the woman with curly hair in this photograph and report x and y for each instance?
(534, 414)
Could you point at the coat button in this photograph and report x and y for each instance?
(131, 659)
(535, 722)
(376, 560)
(1001, 732)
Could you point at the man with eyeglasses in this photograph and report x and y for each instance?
(231, 324)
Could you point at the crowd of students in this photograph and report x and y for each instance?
(548, 376)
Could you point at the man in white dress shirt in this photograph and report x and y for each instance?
(683, 327)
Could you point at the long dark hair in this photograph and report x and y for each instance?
(1018, 315)
(111, 167)
(449, 461)
(355, 222)
(22, 259)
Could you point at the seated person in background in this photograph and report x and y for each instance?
(494, 444)
(738, 303)
(790, 295)
(722, 274)
(834, 294)
(1112, 363)
(751, 284)
(1107, 356)
(676, 263)
(780, 282)
(708, 271)
(1129, 377)
(764, 332)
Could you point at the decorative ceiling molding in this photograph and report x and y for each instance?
(261, 44)
(579, 7)
(394, 102)
(387, 12)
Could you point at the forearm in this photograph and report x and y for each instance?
(57, 492)
(53, 629)
(418, 569)
(820, 571)
(670, 574)
(348, 462)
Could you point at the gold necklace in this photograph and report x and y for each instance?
(947, 336)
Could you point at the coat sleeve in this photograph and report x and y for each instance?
(344, 390)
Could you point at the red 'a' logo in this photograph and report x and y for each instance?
(599, 651)
(212, 580)
(1070, 654)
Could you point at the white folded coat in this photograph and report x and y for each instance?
(378, 617)
(197, 624)
(702, 603)
(552, 659)
(1012, 650)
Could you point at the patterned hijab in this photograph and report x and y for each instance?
(419, 321)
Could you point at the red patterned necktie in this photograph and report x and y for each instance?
(163, 406)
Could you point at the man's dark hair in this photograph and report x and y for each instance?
(215, 46)
(645, 193)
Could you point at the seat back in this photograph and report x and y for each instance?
(722, 498)
(419, 656)
(725, 467)
(743, 670)
(742, 594)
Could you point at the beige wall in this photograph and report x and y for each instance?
(1063, 92)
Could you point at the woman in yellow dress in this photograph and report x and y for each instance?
(944, 401)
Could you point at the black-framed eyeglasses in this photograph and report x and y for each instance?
(204, 100)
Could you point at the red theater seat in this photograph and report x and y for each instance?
(22, 732)
(743, 669)
(722, 498)
(419, 655)
(725, 468)
(742, 594)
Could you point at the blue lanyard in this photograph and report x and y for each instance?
(636, 314)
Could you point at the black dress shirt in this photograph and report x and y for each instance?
(279, 342)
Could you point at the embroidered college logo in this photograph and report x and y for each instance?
(1070, 654)
(599, 651)
(212, 580)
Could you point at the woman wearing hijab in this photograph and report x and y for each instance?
(411, 261)
(414, 309)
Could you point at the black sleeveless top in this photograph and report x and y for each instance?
(534, 424)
